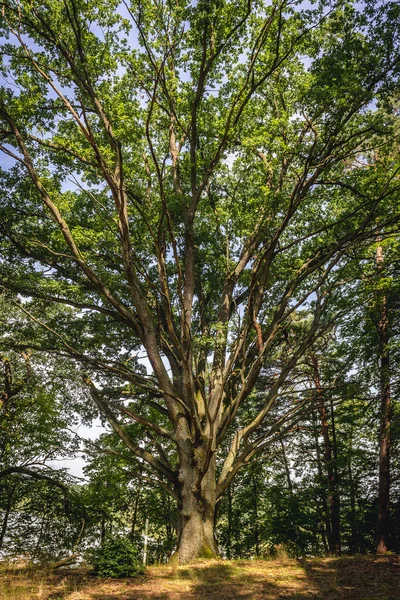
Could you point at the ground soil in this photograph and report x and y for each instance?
(349, 578)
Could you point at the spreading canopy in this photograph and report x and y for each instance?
(181, 181)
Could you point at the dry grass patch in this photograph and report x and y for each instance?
(350, 578)
(24, 583)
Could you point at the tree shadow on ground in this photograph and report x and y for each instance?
(348, 578)
(355, 577)
(222, 581)
(227, 583)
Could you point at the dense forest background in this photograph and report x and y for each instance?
(280, 503)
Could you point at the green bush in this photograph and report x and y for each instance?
(117, 557)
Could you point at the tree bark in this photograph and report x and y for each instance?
(103, 530)
(229, 540)
(5, 521)
(334, 511)
(384, 434)
(196, 510)
(322, 505)
(353, 544)
(255, 513)
(286, 465)
(135, 510)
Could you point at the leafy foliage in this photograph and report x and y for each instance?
(187, 191)
(117, 557)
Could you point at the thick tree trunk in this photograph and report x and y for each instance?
(196, 539)
(197, 507)
(384, 435)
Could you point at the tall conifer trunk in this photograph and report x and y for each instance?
(334, 510)
(384, 434)
(322, 504)
(4, 524)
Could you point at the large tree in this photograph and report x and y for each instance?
(181, 179)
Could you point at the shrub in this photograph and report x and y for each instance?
(117, 557)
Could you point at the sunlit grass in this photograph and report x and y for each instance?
(352, 578)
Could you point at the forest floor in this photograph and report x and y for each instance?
(349, 578)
